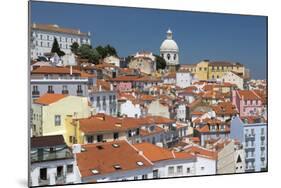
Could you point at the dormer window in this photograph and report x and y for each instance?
(95, 171)
(117, 167)
(139, 163)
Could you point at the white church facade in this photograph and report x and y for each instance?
(169, 50)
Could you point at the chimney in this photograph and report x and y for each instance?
(70, 70)
(141, 153)
(99, 87)
(111, 87)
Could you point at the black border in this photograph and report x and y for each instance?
(118, 6)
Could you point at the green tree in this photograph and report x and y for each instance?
(56, 48)
(102, 51)
(160, 62)
(110, 51)
(74, 47)
(86, 51)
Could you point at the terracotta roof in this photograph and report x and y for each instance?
(56, 28)
(110, 157)
(61, 70)
(157, 130)
(248, 95)
(224, 63)
(106, 123)
(224, 108)
(49, 98)
(170, 75)
(47, 141)
(155, 153)
(199, 151)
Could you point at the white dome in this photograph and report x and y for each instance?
(169, 44)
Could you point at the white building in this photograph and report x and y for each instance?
(43, 35)
(129, 109)
(169, 50)
(234, 78)
(168, 163)
(52, 162)
(183, 79)
(112, 60)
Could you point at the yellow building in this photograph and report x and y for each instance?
(50, 110)
(213, 70)
(100, 128)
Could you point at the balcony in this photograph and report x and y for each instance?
(42, 182)
(250, 157)
(250, 168)
(65, 92)
(79, 92)
(60, 180)
(64, 154)
(249, 147)
(250, 136)
(35, 93)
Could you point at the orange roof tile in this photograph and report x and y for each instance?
(199, 151)
(103, 157)
(49, 98)
(154, 153)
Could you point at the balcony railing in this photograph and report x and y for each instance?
(65, 92)
(79, 92)
(61, 179)
(44, 182)
(35, 157)
(250, 136)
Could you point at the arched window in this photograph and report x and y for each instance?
(168, 56)
(175, 56)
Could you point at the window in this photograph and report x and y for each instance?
(57, 120)
(43, 173)
(90, 139)
(175, 56)
(129, 133)
(135, 177)
(69, 168)
(115, 136)
(100, 138)
(188, 170)
(98, 101)
(170, 170)
(144, 177)
(168, 56)
(179, 169)
(252, 131)
(50, 89)
(262, 131)
(155, 173)
(59, 171)
(202, 168)
(70, 139)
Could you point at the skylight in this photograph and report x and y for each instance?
(115, 145)
(99, 147)
(95, 171)
(117, 167)
(139, 163)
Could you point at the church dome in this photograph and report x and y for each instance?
(169, 44)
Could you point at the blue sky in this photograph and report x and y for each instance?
(199, 36)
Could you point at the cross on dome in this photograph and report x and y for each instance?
(169, 34)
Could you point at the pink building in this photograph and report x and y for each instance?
(247, 102)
